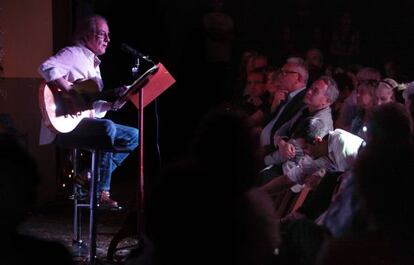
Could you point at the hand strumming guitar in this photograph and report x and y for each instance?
(70, 102)
(122, 99)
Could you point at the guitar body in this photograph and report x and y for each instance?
(49, 104)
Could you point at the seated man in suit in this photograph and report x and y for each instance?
(293, 80)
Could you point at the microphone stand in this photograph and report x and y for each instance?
(141, 192)
(138, 84)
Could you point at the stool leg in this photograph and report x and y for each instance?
(76, 213)
(78, 246)
(92, 205)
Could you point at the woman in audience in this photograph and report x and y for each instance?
(372, 94)
(385, 91)
(365, 101)
(350, 108)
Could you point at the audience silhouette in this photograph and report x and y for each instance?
(18, 195)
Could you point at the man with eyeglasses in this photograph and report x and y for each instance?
(78, 63)
(294, 77)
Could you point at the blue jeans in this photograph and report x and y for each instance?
(102, 134)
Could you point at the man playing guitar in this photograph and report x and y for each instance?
(76, 63)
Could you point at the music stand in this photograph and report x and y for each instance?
(147, 87)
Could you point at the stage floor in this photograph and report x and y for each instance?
(54, 222)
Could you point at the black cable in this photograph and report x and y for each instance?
(158, 132)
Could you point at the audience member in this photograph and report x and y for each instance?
(336, 152)
(318, 98)
(294, 77)
(285, 174)
(387, 124)
(382, 173)
(365, 101)
(218, 176)
(262, 98)
(350, 108)
(273, 88)
(385, 91)
(18, 193)
(252, 61)
(407, 94)
(255, 102)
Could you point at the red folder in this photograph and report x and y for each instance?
(156, 83)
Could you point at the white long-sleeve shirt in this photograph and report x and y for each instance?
(74, 64)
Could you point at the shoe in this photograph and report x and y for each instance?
(105, 200)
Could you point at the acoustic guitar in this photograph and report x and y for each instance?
(61, 116)
(55, 106)
(63, 110)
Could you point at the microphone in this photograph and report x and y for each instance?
(128, 49)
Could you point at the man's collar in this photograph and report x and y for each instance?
(324, 109)
(294, 93)
(90, 54)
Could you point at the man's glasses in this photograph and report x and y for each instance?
(102, 35)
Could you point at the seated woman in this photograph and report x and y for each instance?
(370, 94)
(365, 101)
(385, 91)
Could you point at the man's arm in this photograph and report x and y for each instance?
(287, 150)
(283, 152)
(60, 83)
(295, 174)
(68, 99)
(273, 158)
